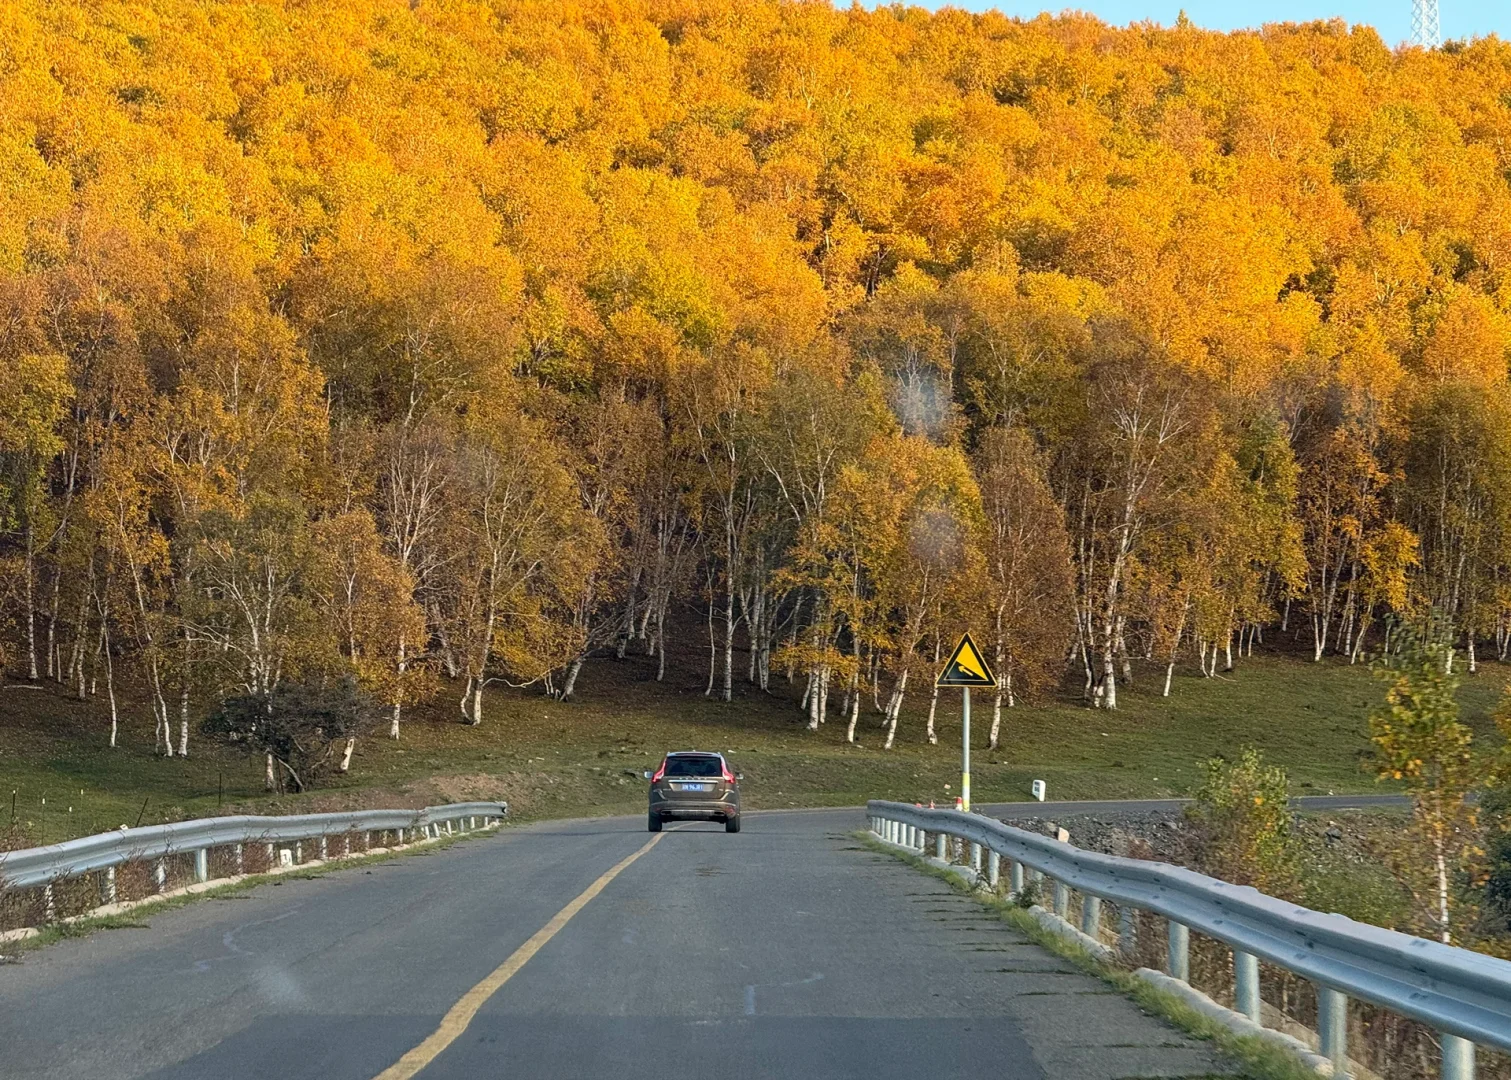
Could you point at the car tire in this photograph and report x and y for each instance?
(653, 822)
(732, 824)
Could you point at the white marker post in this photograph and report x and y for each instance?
(967, 668)
(965, 749)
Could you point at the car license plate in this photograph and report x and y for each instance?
(695, 787)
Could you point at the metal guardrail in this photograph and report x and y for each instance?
(42, 866)
(1463, 995)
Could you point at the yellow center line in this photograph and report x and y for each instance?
(460, 1015)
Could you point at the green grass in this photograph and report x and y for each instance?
(550, 759)
(1260, 1060)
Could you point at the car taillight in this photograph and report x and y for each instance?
(729, 777)
(660, 772)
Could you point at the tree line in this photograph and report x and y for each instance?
(436, 345)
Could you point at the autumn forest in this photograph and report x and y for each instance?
(436, 345)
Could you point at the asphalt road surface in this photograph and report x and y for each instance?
(786, 951)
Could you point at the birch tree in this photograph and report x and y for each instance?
(1027, 554)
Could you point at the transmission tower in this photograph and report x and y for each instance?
(1425, 30)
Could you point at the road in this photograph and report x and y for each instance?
(786, 951)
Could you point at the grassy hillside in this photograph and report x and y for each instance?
(551, 759)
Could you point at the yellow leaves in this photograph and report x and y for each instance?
(34, 391)
(33, 200)
(1388, 556)
(1470, 343)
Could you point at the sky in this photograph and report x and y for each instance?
(1392, 18)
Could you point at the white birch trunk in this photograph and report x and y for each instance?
(1442, 872)
(894, 708)
(572, 671)
(933, 737)
(31, 614)
(713, 648)
(115, 721)
(183, 722)
(661, 644)
(729, 645)
(346, 756)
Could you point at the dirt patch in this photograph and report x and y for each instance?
(473, 787)
(1162, 835)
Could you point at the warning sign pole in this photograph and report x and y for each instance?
(967, 668)
(965, 749)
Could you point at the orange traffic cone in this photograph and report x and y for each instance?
(958, 803)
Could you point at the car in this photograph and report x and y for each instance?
(697, 785)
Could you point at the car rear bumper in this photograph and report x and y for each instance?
(696, 811)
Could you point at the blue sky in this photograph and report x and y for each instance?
(1460, 18)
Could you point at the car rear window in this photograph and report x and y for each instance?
(692, 766)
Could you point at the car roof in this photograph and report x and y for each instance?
(695, 753)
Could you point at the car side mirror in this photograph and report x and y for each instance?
(646, 774)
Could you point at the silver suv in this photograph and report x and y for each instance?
(694, 784)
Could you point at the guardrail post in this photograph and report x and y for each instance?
(939, 848)
(1062, 898)
(47, 902)
(976, 857)
(107, 890)
(1091, 916)
(1178, 955)
(272, 862)
(1332, 1028)
(993, 868)
(1127, 930)
(298, 852)
(238, 861)
(322, 847)
(1014, 877)
(1246, 984)
(201, 864)
(160, 875)
(1458, 1058)
(448, 826)
(348, 845)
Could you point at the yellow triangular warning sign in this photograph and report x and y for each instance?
(967, 667)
